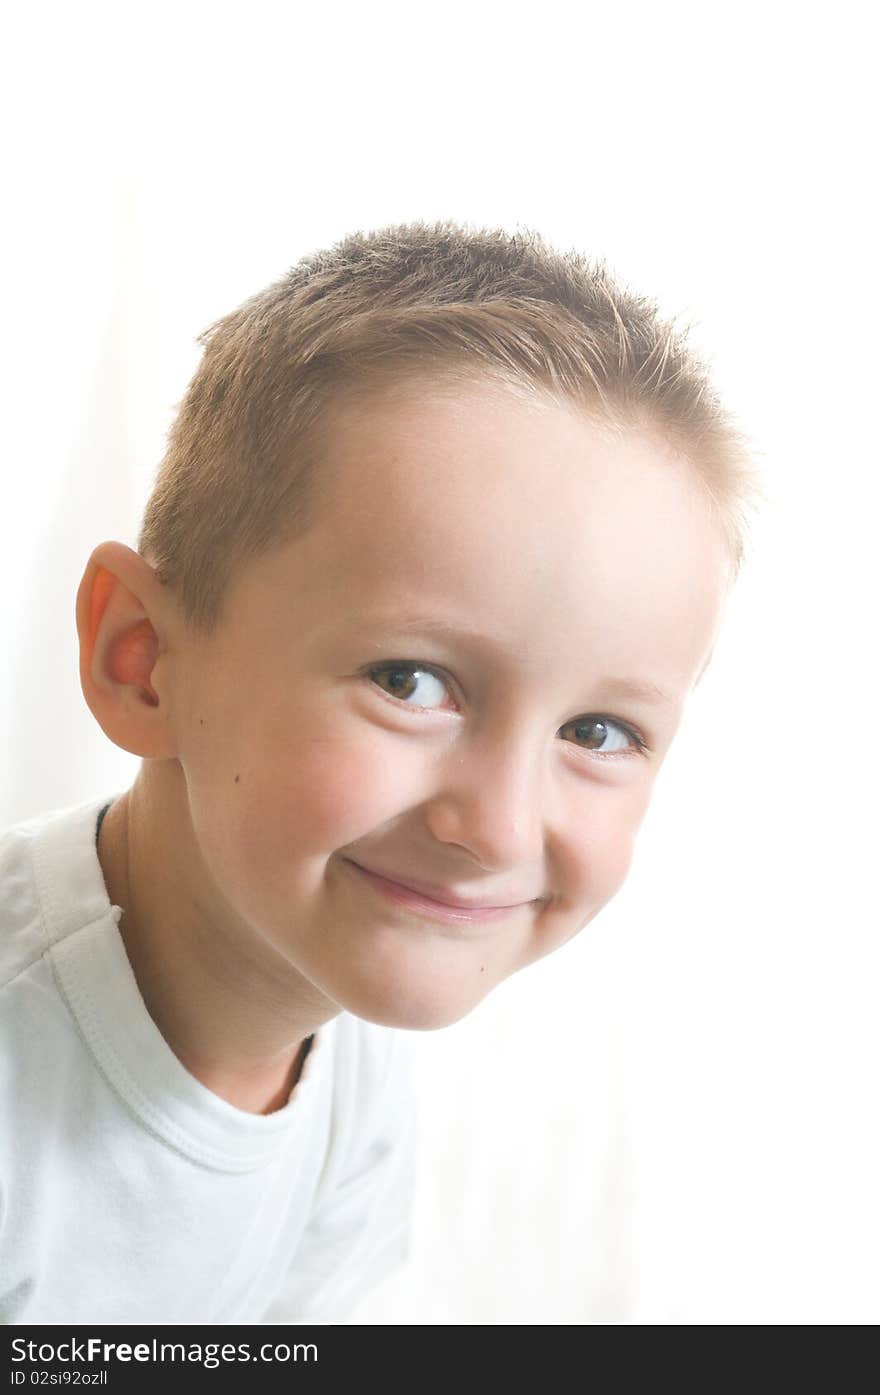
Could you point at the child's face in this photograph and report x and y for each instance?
(415, 690)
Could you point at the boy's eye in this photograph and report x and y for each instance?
(413, 684)
(603, 736)
(416, 685)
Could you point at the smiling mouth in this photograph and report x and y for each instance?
(402, 895)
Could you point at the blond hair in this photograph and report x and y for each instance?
(386, 307)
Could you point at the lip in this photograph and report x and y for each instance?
(415, 895)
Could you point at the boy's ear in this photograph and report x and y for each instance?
(120, 618)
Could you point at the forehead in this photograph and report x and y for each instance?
(517, 517)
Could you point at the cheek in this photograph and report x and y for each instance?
(617, 856)
(590, 871)
(269, 834)
(326, 793)
(600, 858)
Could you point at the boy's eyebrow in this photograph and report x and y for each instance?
(637, 689)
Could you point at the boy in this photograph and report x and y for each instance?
(438, 550)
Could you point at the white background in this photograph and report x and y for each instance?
(674, 1119)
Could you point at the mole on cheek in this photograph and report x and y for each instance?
(237, 779)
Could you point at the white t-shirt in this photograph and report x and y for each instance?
(129, 1192)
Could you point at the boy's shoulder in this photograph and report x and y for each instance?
(50, 883)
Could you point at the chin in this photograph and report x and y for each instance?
(403, 976)
(426, 1010)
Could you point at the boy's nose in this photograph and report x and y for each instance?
(491, 803)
